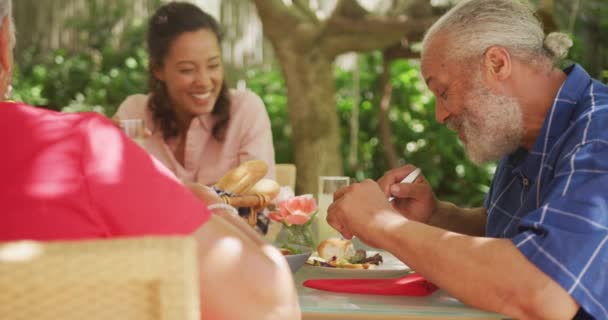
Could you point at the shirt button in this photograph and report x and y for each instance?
(525, 182)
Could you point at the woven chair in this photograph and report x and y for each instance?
(131, 278)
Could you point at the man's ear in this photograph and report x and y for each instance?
(497, 63)
(6, 54)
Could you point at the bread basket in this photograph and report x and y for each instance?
(245, 189)
(250, 204)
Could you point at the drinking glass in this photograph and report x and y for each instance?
(327, 186)
(134, 129)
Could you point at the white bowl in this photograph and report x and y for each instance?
(296, 261)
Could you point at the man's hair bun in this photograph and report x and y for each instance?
(557, 45)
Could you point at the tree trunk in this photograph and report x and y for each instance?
(312, 114)
(385, 129)
(306, 44)
(353, 156)
(384, 125)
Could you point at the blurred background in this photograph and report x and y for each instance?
(356, 104)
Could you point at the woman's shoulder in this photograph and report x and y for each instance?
(245, 101)
(134, 106)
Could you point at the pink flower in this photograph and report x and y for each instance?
(297, 210)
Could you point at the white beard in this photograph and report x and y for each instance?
(492, 124)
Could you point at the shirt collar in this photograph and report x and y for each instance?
(202, 123)
(564, 109)
(205, 121)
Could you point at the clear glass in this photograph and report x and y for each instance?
(134, 129)
(327, 186)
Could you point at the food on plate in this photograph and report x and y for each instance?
(287, 250)
(340, 253)
(338, 248)
(242, 178)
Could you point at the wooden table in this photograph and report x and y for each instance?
(318, 304)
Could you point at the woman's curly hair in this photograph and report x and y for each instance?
(167, 24)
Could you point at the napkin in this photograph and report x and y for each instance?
(410, 285)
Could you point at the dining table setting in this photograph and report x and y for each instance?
(382, 288)
(390, 290)
(337, 278)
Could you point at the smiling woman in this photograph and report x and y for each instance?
(200, 128)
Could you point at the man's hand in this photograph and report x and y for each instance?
(415, 200)
(362, 210)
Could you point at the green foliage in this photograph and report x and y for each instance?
(417, 137)
(588, 30)
(269, 84)
(95, 79)
(79, 83)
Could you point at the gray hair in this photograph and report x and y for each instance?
(473, 26)
(6, 10)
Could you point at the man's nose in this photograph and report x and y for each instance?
(441, 114)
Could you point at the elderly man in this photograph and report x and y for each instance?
(538, 248)
(75, 176)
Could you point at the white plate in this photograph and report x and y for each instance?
(391, 267)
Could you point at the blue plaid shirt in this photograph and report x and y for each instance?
(552, 202)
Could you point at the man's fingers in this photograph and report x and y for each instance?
(334, 216)
(346, 235)
(408, 190)
(394, 176)
(340, 192)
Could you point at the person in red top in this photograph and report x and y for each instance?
(77, 176)
(74, 176)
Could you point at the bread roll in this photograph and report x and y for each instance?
(267, 187)
(333, 247)
(242, 178)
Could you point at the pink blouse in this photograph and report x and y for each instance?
(248, 137)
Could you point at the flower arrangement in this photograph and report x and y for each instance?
(296, 214)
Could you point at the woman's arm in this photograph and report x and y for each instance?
(256, 132)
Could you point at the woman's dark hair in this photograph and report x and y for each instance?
(167, 24)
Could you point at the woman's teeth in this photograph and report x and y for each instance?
(202, 96)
